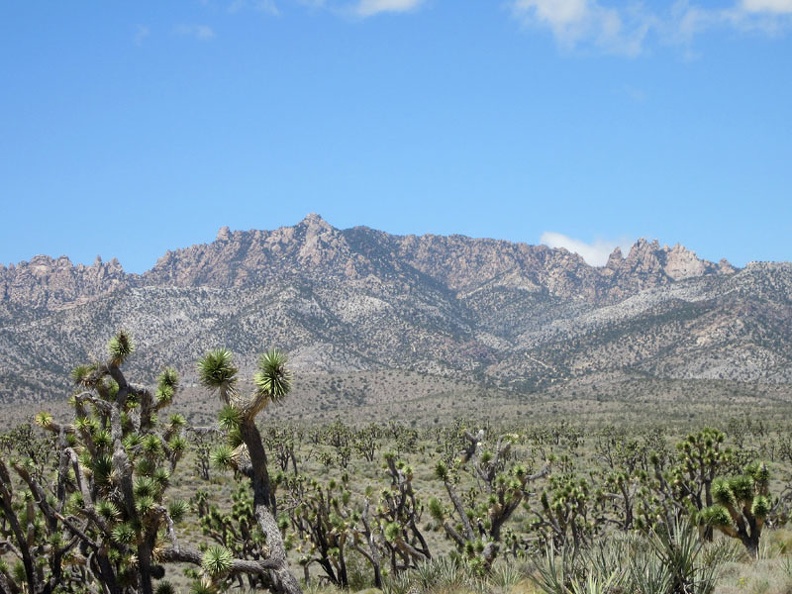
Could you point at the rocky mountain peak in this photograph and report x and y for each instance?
(615, 259)
(54, 282)
(224, 234)
(682, 263)
(313, 219)
(675, 263)
(241, 258)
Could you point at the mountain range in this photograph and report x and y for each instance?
(507, 316)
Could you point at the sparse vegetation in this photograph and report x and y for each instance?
(550, 502)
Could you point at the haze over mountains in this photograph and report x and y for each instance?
(495, 313)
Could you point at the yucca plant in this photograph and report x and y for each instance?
(553, 572)
(679, 548)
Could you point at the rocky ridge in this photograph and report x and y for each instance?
(502, 314)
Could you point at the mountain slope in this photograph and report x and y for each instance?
(480, 311)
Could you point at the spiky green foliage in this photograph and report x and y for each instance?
(229, 418)
(178, 510)
(717, 516)
(120, 347)
(217, 561)
(103, 439)
(436, 509)
(167, 385)
(151, 445)
(124, 533)
(273, 379)
(144, 504)
(178, 444)
(216, 370)
(177, 421)
(669, 560)
(165, 588)
(81, 375)
(43, 419)
(222, 457)
(203, 588)
(145, 486)
(441, 470)
(161, 478)
(108, 510)
(169, 378)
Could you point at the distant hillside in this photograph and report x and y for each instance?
(474, 311)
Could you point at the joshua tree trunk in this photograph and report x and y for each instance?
(282, 577)
(264, 505)
(262, 488)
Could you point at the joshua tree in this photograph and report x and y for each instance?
(701, 457)
(741, 505)
(683, 487)
(564, 512)
(238, 417)
(399, 514)
(34, 549)
(476, 528)
(235, 529)
(97, 520)
(325, 519)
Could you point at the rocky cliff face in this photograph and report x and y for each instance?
(507, 314)
(311, 248)
(315, 249)
(47, 283)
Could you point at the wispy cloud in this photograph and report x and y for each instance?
(595, 254)
(367, 8)
(141, 33)
(771, 6)
(265, 6)
(200, 32)
(767, 16)
(634, 94)
(577, 23)
(625, 27)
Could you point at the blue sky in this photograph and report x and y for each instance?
(131, 128)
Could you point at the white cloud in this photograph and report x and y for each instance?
(771, 6)
(201, 32)
(367, 8)
(686, 21)
(567, 18)
(770, 17)
(624, 27)
(576, 23)
(595, 254)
